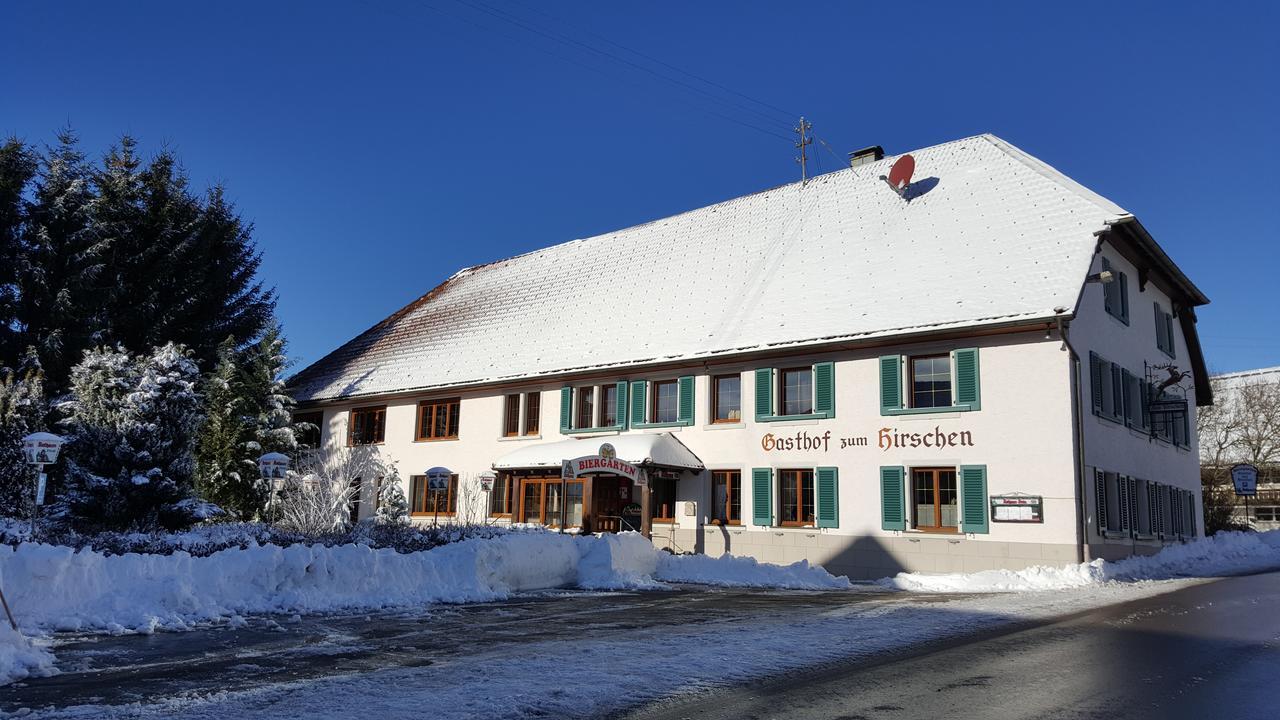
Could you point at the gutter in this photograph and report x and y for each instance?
(1077, 440)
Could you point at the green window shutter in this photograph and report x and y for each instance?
(1144, 409)
(637, 402)
(1129, 405)
(566, 409)
(762, 496)
(824, 389)
(967, 385)
(1100, 500)
(893, 514)
(684, 409)
(622, 404)
(1117, 393)
(1168, 333)
(973, 497)
(764, 393)
(890, 383)
(828, 514)
(1122, 498)
(1107, 293)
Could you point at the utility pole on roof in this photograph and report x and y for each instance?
(805, 141)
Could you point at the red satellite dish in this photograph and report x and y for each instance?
(900, 174)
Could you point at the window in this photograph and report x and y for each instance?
(586, 404)
(308, 426)
(726, 500)
(367, 426)
(663, 498)
(511, 416)
(795, 497)
(1108, 382)
(540, 501)
(1267, 513)
(608, 406)
(438, 419)
(500, 496)
(666, 401)
(795, 395)
(934, 499)
(1164, 331)
(1115, 294)
(532, 412)
(726, 399)
(425, 501)
(931, 381)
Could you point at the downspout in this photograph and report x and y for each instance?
(1077, 440)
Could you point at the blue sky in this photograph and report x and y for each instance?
(379, 146)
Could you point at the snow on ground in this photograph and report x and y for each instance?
(591, 676)
(20, 657)
(1225, 553)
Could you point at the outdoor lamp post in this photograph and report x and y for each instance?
(41, 449)
(438, 479)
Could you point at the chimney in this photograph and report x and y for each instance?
(866, 155)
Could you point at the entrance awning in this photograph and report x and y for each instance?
(642, 449)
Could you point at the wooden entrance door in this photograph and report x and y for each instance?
(607, 490)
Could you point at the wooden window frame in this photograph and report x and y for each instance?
(911, 380)
(535, 416)
(510, 480)
(351, 424)
(812, 493)
(781, 379)
(653, 418)
(420, 436)
(543, 481)
(664, 520)
(508, 415)
(451, 500)
(715, 399)
(316, 418)
(601, 391)
(937, 500)
(729, 495)
(577, 408)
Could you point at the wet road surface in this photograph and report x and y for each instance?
(107, 670)
(1208, 651)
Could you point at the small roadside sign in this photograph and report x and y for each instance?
(1245, 478)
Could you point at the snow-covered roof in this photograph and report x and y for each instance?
(1233, 381)
(636, 448)
(990, 235)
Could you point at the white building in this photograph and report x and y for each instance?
(934, 382)
(1245, 428)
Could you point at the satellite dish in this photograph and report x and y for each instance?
(900, 174)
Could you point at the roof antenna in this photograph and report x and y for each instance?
(900, 175)
(805, 141)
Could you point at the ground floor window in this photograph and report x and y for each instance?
(663, 499)
(934, 499)
(500, 496)
(1267, 514)
(795, 497)
(541, 502)
(726, 500)
(425, 501)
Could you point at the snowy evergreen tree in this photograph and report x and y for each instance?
(22, 412)
(18, 166)
(393, 507)
(248, 413)
(132, 423)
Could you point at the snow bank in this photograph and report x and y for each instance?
(20, 658)
(1226, 553)
(58, 588)
(731, 571)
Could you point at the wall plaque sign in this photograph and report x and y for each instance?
(1017, 508)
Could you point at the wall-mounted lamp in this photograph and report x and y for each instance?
(1103, 277)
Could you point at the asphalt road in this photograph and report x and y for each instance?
(1206, 652)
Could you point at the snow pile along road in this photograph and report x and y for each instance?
(1226, 553)
(57, 588)
(20, 657)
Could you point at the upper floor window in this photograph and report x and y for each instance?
(1115, 294)
(367, 426)
(795, 392)
(608, 406)
(726, 398)
(593, 407)
(931, 381)
(308, 426)
(586, 400)
(511, 415)
(532, 412)
(1164, 331)
(438, 419)
(666, 401)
